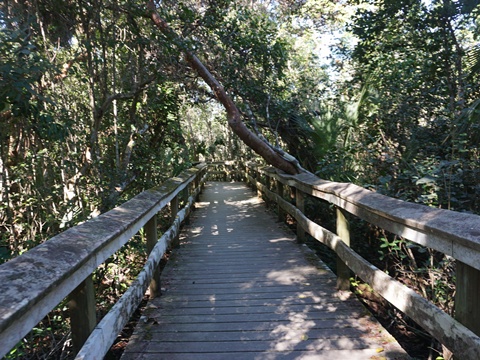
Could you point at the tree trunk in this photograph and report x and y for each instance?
(233, 114)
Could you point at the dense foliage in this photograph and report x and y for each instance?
(97, 105)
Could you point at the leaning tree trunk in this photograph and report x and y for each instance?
(233, 114)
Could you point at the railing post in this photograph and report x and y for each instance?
(300, 204)
(197, 183)
(268, 182)
(83, 318)
(245, 173)
(467, 296)
(343, 231)
(186, 194)
(173, 216)
(281, 213)
(241, 172)
(258, 178)
(152, 238)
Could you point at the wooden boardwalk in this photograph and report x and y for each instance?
(240, 287)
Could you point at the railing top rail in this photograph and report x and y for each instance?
(456, 234)
(35, 282)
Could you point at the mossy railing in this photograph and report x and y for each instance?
(33, 284)
(453, 233)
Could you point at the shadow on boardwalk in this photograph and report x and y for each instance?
(240, 287)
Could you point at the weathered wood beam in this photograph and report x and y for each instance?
(300, 204)
(83, 310)
(467, 296)
(343, 231)
(152, 239)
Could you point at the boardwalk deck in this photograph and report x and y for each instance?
(240, 287)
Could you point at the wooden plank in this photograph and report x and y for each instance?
(467, 297)
(240, 284)
(226, 285)
(297, 344)
(273, 326)
(185, 302)
(246, 308)
(326, 314)
(150, 229)
(379, 353)
(254, 335)
(343, 232)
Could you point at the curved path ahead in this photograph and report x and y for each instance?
(240, 287)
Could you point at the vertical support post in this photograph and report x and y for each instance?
(281, 213)
(258, 177)
(152, 238)
(467, 297)
(343, 231)
(242, 170)
(300, 204)
(186, 194)
(83, 317)
(245, 171)
(197, 183)
(173, 216)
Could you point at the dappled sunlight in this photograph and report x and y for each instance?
(343, 295)
(280, 240)
(248, 285)
(196, 230)
(309, 295)
(214, 230)
(202, 204)
(251, 201)
(212, 299)
(291, 276)
(288, 337)
(288, 333)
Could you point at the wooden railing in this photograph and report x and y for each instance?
(34, 283)
(231, 170)
(453, 233)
